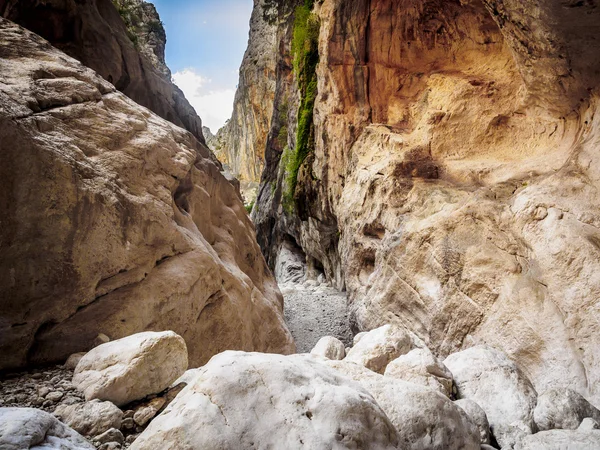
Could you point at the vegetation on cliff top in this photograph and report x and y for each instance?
(305, 52)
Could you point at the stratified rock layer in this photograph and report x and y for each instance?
(452, 181)
(114, 221)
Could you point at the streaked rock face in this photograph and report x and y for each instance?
(243, 139)
(115, 221)
(452, 185)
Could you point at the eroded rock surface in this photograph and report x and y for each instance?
(245, 400)
(494, 382)
(124, 43)
(420, 366)
(131, 368)
(25, 428)
(563, 409)
(115, 221)
(376, 349)
(424, 418)
(452, 175)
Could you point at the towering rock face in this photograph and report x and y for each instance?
(244, 136)
(113, 220)
(452, 174)
(123, 42)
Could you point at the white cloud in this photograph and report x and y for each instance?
(214, 106)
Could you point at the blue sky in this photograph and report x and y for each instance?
(206, 40)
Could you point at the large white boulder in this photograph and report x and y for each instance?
(329, 347)
(131, 368)
(27, 428)
(562, 409)
(252, 400)
(424, 418)
(90, 418)
(378, 347)
(420, 366)
(477, 415)
(489, 378)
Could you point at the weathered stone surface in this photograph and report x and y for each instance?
(114, 221)
(380, 346)
(245, 400)
(93, 32)
(561, 439)
(25, 428)
(489, 378)
(424, 418)
(451, 185)
(330, 348)
(90, 418)
(477, 416)
(420, 366)
(562, 409)
(242, 141)
(131, 368)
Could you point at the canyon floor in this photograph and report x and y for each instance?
(312, 312)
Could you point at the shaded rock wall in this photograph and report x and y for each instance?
(115, 221)
(453, 178)
(129, 55)
(244, 137)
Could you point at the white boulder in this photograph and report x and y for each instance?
(131, 368)
(477, 416)
(424, 418)
(27, 428)
(420, 366)
(378, 347)
(329, 347)
(252, 400)
(489, 378)
(562, 409)
(90, 418)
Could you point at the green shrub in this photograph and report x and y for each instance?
(249, 206)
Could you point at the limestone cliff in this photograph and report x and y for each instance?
(244, 136)
(124, 42)
(113, 221)
(447, 175)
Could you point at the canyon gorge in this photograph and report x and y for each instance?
(393, 243)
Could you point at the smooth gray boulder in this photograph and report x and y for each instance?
(493, 381)
(563, 409)
(28, 428)
(477, 415)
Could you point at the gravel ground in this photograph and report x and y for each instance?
(314, 312)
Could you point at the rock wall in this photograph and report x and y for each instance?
(452, 181)
(244, 136)
(113, 221)
(123, 42)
